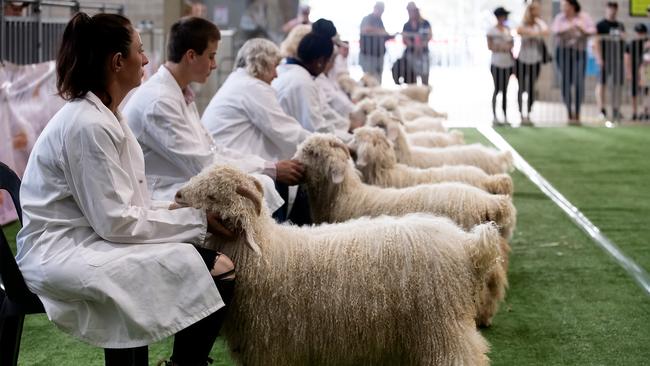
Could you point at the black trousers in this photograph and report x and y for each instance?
(501, 78)
(527, 75)
(300, 213)
(193, 344)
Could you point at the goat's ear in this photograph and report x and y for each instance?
(250, 241)
(362, 155)
(258, 186)
(337, 172)
(392, 131)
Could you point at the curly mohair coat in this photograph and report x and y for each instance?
(336, 192)
(490, 160)
(419, 123)
(380, 291)
(436, 139)
(376, 160)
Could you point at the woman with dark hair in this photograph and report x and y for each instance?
(416, 35)
(572, 27)
(297, 90)
(111, 266)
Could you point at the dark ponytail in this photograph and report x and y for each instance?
(88, 43)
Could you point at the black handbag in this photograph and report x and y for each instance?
(402, 71)
(546, 56)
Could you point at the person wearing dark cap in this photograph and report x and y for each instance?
(572, 28)
(609, 51)
(416, 35)
(634, 51)
(500, 42)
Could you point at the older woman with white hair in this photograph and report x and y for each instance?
(245, 113)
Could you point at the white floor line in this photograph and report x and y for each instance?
(638, 273)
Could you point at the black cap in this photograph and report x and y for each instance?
(612, 4)
(500, 11)
(324, 27)
(641, 28)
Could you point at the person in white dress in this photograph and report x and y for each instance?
(112, 267)
(164, 119)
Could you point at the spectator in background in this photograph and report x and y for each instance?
(301, 18)
(500, 42)
(531, 55)
(609, 56)
(634, 52)
(572, 28)
(373, 42)
(15, 8)
(416, 35)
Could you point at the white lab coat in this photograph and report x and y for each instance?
(340, 67)
(177, 146)
(335, 97)
(301, 98)
(245, 115)
(109, 267)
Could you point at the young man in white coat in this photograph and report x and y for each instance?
(166, 122)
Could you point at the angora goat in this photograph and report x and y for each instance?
(418, 93)
(336, 194)
(376, 160)
(382, 291)
(488, 159)
(419, 123)
(436, 139)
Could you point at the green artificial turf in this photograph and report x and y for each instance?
(568, 303)
(604, 172)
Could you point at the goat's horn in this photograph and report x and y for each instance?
(245, 192)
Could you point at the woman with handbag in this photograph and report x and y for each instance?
(531, 56)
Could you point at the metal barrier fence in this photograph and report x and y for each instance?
(31, 31)
(565, 80)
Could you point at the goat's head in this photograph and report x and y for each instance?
(371, 146)
(324, 156)
(382, 119)
(233, 195)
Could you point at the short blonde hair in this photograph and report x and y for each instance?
(289, 47)
(258, 56)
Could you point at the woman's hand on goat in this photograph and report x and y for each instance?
(216, 227)
(289, 172)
